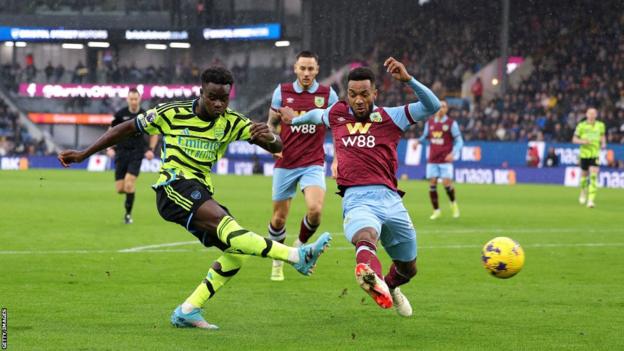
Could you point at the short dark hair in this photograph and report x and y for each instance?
(361, 73)
(307, 53)
(217, 75)
(133, 90)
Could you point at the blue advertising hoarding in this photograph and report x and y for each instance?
(46, 34)
(480, 163)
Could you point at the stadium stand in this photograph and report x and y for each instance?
(582, 68)
(14, 137)
(443, 48)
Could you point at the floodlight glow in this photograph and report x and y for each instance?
(73, 46)
(98, 44)
(176, 45)
(156, 46)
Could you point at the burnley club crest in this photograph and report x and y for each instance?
(319, 101)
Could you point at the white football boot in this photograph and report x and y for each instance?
(583, 197)
(401, 303)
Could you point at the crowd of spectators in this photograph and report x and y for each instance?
(579, 63)
(14, 138)
(13, 74)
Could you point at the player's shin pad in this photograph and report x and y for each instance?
(246, 242)
(222, 270)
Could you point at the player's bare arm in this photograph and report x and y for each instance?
(334, 165)
(111, 137)
(110, 151)
(262, 136)
(273, 123)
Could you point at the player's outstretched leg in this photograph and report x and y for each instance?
(368, 267)
(241, 240)
(215, 221)
(400, 273)
(188, 315)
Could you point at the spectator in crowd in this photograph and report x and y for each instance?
(552, 160)
(477, 92)
(49, 71)
(532, 157)
(5, 147)
(59, 72)
(80, 73)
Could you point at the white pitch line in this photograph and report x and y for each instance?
(156, 246)
(437, 231)
(340, 248)
(517, 230)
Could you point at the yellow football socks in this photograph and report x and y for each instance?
(222, 270)
(593, 187)
(245, 242)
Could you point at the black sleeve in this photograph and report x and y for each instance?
(116, 118)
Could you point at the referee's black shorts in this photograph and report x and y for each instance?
(178, 201)
(130, 164)
(588, 162)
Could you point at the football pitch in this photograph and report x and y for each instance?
(74, 277)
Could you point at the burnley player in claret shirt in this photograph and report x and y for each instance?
(366, 137)
(302, 161)
(445, 143)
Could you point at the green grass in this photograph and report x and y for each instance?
(66, 286)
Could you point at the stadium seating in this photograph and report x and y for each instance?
(582, 68)
(14, 138)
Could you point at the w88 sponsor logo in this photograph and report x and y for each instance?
(304, 129)
(367, 141)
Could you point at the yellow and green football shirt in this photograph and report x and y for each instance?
(191, 145)
(593, 133)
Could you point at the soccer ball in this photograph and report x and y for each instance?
(502, 257)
